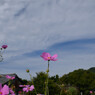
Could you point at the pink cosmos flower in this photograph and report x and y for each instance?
(28, 88)
(11, 91)
(4, 90)
(10, 77)
(91, 92)
(4, 46)
(48, 57)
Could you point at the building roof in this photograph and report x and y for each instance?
(3, 78)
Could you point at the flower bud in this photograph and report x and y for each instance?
(4, 46)
(47, 70)
(27, 71)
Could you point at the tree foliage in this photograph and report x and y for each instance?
(39, 82)
(74, 83)
(84, 80)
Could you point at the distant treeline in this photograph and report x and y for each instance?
(78, 82)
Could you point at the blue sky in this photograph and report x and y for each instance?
(31, 27)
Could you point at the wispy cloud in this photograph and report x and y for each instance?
(31, 27)
(78, 46)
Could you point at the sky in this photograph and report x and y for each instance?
(31, 27)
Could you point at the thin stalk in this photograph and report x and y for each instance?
(1, 57)
(47, 79)
(33, 83)
(61, 92)
(46, 83)
(2, 51)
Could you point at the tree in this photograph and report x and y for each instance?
(39, 82)
(84, 80)
(72, 91)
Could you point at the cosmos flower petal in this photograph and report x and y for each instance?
(45, 56)
(10, 77)
(25, 89)
(4, 46)
(5, 90)
(48, 55)
(12, 92)
(54, 59)
(55, 56)
(31, 87)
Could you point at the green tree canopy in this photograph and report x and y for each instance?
(84, 80)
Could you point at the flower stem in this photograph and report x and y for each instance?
(33, 83)
(46, 84)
